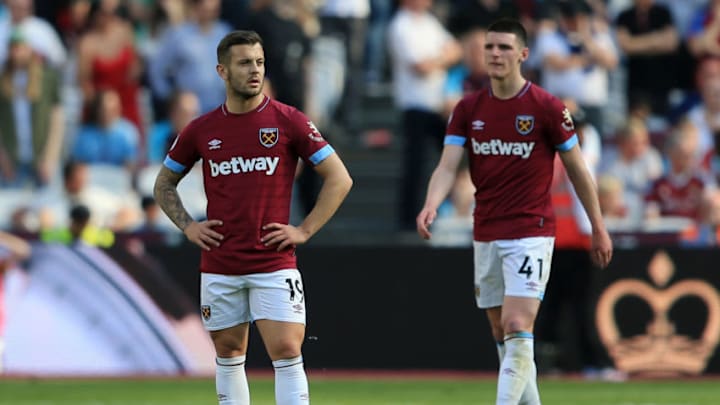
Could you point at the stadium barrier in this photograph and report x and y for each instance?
(654, 311)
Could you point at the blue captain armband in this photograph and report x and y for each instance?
(173, 165)
(321, 154)
(455, 140)
(567, 145)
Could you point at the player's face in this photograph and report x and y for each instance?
(245, 74)
(503, 54)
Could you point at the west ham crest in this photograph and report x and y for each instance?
(524, 124)
(205, 312)
(269, 137)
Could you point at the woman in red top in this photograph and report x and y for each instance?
(107, 59)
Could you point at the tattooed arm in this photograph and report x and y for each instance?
(167, 197)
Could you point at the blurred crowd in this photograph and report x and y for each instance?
(94, 92)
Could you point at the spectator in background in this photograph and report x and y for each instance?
(636, 164)
(107, 138)
(611, 193)
(239, 12)
(647, 36)
(421, 50)
(151, 216)
(288, 46)
(375, 49)
(185, 57)
(40, 34)
(184, 107)
(576, 57)
(469, 15)
(108, 60)
(706, 231)
(79, 229)
(680, 192)
(569, 288)
(71, 23)
(683, 13)
(113, 209)
(703, 35)
(640, 107)
(31, 117)
(706, 115)
(471, 74)
(287, 50)
(347, 20)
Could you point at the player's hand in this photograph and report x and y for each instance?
(423, 221)
(283, 235)
(601, 248)
(202, 234)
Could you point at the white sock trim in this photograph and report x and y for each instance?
(285, 363)
(230, 361)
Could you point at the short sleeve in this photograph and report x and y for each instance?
(307, 139)
(183, 154)
(561, 127)
(456, 133)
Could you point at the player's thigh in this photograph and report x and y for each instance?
(526, 265)
(489, 285)
(231, 342)
(224, 301)
(277, 296)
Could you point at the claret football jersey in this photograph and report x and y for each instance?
(511, 145)
(248, 162)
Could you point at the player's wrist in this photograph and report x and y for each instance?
(185, 225)
(305, 231)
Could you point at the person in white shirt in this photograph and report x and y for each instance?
(576, 57)
(421, 50)
(41, 35)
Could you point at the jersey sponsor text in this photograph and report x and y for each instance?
(239, 164)
(499, 147)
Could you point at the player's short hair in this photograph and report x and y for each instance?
(510, 26)
(239, 37)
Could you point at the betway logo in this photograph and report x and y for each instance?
(241, 165)
(498, 147)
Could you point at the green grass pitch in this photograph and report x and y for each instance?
(351, 391)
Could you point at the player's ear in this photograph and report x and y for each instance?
(221, 71)
(524, 54)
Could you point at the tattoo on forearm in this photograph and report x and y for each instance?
(168, 199)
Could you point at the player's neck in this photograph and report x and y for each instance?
(237, 105)
(507, 87)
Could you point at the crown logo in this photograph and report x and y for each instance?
(660, 351)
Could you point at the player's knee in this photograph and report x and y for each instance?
(284, 349)
(513, 324)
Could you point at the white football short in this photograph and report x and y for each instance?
(229, 300)
(515, 267)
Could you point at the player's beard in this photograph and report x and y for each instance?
(242, 91)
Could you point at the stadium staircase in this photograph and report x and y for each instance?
(368, 215)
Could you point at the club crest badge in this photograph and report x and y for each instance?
(269, 137)
(524, 124)
(314, 134)
(205, 312)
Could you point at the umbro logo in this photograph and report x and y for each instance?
(478, 125)
(214, 144)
